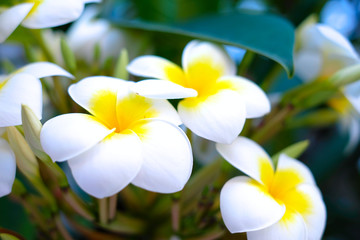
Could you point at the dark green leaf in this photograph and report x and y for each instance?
(265, 34)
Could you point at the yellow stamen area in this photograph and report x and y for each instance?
(120, 114)
(295, 202)
(340, 104)
(266, 171)
(36, 5)
(203, 75)
(284, 180)
(282, 186)
(175, 74)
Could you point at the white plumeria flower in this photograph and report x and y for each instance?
(24, 87)
(87, 32)
(216, 101)
(322, 52)
(126, 139)
(270, 204)
(38, 14)
(7, 166)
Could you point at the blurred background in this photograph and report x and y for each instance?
(334, 152)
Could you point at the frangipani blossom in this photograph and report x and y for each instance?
(268, 203)
(126, 139)
(24, 87)
(216, 101)
(88, 32)
(7, 166)
(38, 14)
(322, 52)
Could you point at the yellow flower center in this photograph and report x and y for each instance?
(281, 186)
(201, 75)
(120, 114)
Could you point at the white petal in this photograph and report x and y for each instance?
(11, 18)
(165, 111)
(256, 101)
(7, 168)
(214, 55)
(304, 174)
(246, 206)
(109, 166)
(156, 67)
(338, 42)
(50, 13)
(162, 89)
(44, 69)
(308, 64)
(167, 157)
(83, 91)
(315, 217)
(296, 230)
(249, 157)
(352, 93)
(91, 1)
(69, 135)
(219, 118)
(19, 89)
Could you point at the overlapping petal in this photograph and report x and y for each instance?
(246, 206)
(313, 210)
(157, 67)
(7, 168)
(49, 13)
(247, 156)
(162, 89)
(291, 186)
(167, 157)
(295, 230)
(256, 101)
(215, 117)
(19, 89)
(296, 171)
(11, 18)
(199, 56)
(44, 69)
(109, 166)
(85, 132)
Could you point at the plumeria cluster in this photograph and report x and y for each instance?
(129, 133)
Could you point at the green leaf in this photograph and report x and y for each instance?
(265, 34)
(292, 151)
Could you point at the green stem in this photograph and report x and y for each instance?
(273, 124)
(76, 204)
(62, 230)
(245, 63)
(271, 77)
(112, 206)
(103, 210)
(175, 214)
(59, 91)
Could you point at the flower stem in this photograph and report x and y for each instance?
(273, 123)
(59, 91)
(112, 206)
(103, 210)
(245, 63)
(175, 214)
(62, 230)
(271, 77)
